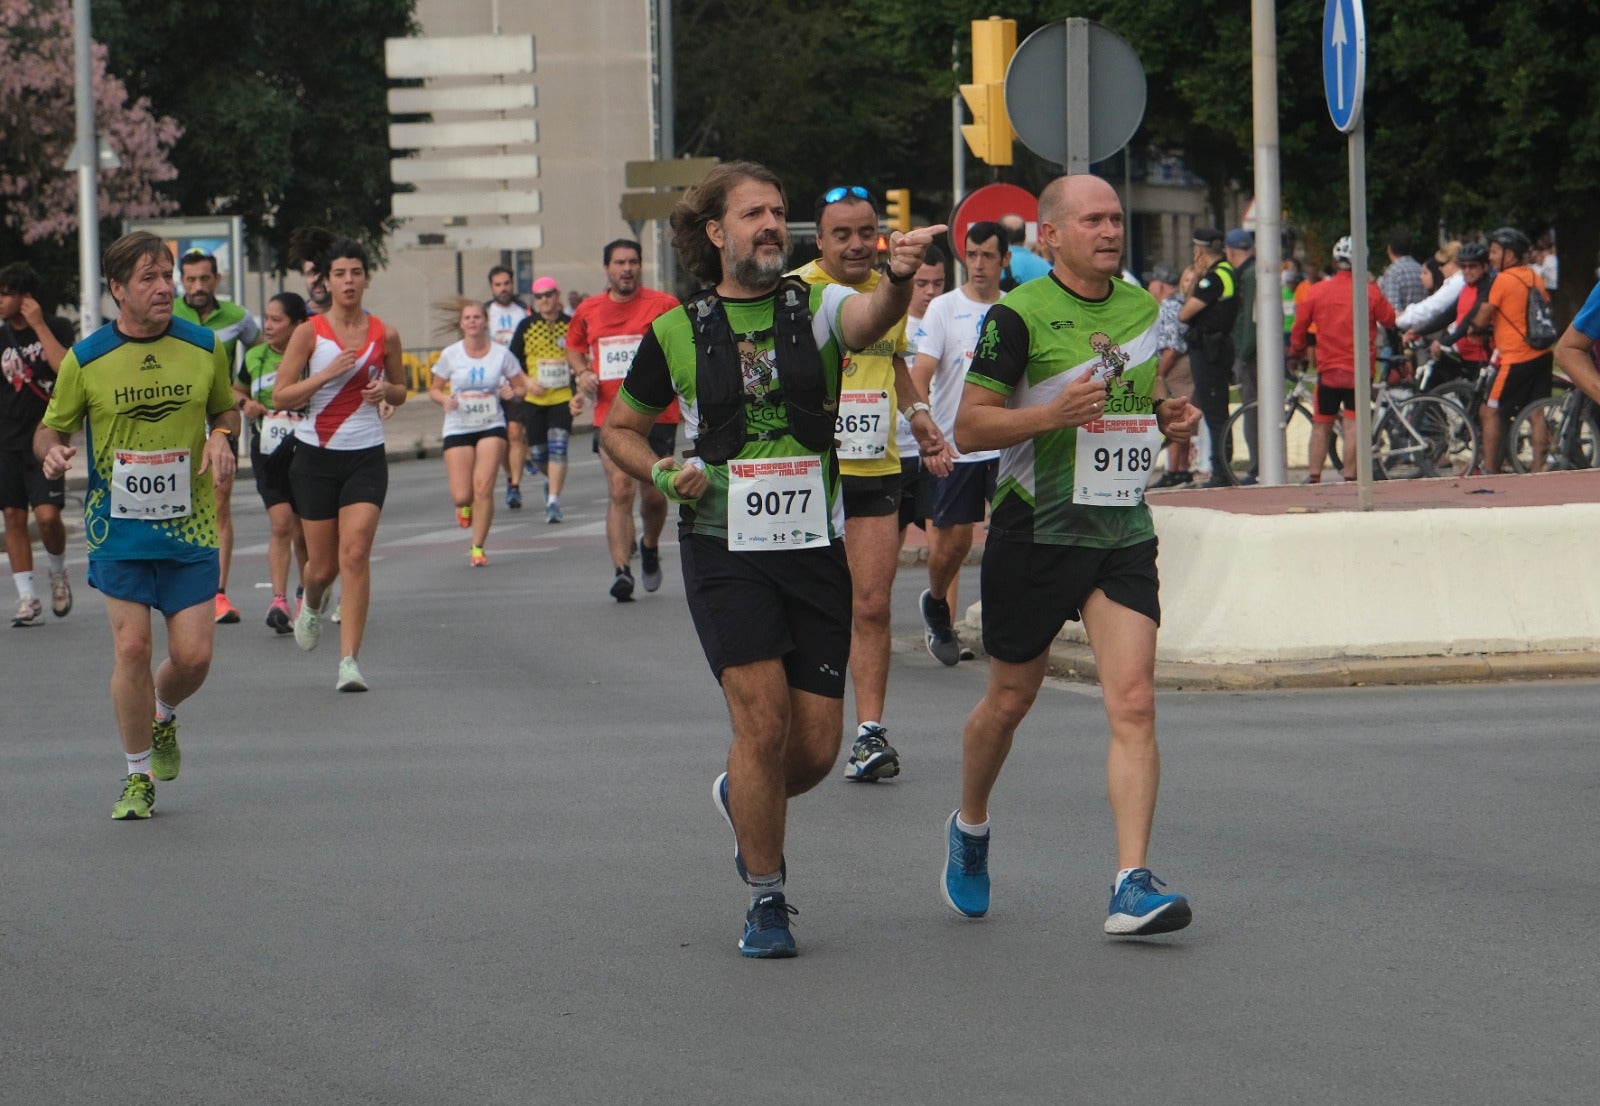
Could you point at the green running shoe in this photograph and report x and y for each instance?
(165, 756)
(350, 678)
(138, 798)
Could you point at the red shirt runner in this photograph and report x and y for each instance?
(609, 333)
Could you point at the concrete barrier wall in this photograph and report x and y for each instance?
(1255, 588)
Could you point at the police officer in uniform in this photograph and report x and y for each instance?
(1210, 312)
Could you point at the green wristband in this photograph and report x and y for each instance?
(663, 478)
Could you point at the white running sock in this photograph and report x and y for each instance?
(861, 730)
(24, 582)
(139, 762)
(164, 710)
(58, 562)
(1116, 884)
(764, 885)
(974, 831)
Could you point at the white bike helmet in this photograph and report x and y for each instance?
(1343, 250)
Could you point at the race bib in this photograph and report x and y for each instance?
(1112, 466)
(276, 429)
(150, 486)
(477, 410)
(615, 354)
(776, 504)
(862, 426)
(553, 375)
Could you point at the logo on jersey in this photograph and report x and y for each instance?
(151, 404)
(1112, 359)
(990, 342)
(149, 363)
(1062, 324)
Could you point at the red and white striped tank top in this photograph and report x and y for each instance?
(336, 417)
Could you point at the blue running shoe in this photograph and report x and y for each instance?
(766, 929)
(966, 871)
(1138, 909)
(719, 799)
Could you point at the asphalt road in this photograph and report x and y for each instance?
(498, 877)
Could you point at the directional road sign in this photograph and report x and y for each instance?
(1344, 61)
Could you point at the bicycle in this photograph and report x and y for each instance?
(1573, 434)
(1295, 424)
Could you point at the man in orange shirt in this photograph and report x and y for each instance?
(1525, 372)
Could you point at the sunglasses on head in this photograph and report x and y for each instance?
(834, 195)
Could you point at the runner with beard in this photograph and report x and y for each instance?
(756, 361)
(234, 327)
(505, 311)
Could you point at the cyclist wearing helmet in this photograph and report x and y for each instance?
(1330, 307)
(1471, 345)
(1524, 373)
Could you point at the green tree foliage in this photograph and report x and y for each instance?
(1474, 116)
(283, 104)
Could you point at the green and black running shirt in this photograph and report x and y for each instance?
(665, 366)
(1039, 339)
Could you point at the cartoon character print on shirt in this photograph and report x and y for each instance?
(759, 368)
(1112, 360)
(18, 372)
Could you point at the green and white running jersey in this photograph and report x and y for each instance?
(1039, 339)
(666, 365)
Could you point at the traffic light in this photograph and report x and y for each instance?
(897, 209)
(989, 134)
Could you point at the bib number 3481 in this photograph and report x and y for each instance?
(776, 504)
(1113, 460)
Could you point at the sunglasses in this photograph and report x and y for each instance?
(545, 295)
(834, 195)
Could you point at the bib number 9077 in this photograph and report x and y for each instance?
(786, 502)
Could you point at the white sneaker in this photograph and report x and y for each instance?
(30, 612)
(308, 625)
(350, 678)
(60, 594)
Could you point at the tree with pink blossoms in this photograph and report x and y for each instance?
(38, 195)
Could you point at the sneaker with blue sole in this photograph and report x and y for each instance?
(966, 871)
(766, 929)
(1139, 910)
(719, 798)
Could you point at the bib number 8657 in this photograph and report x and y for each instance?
(152, 485)
(1133, 459)
(777, 503)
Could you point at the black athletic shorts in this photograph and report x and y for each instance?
(1329, 400)
(22, 482)
(1516, 386)
(663, 438)
(870, 496)
(791, 604)
(473, 437)
(539, 420)
(963, 496)
(325, 480)
(916, 495)
(1030, 591)
(516, 410)
(273, 486)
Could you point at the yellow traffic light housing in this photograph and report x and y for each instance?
(989, 134)
(897, 209)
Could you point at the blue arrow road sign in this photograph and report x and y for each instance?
(1344, 60)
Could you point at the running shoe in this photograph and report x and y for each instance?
(1172, 479)
(650, 565)
(464, 517)
(30, 612)
(514, 497)
(226, 611)
(766, 929)
(530, 467)
(966, 651)
(308, 627)
(872, 758)
(940, 634)
(279, 618)
(622, 585)
(138, 798)
(966, 871)
(350, 678)
(60, 594)
(479, 558)
(552, 511)
(335, 617)
(165, 756)
(1139, 910)
(719, 799)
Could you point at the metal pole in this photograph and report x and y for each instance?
(669, 140)
(1077, 95)
(88, 165)
(1271, 462)
(958, 148)
(1358, 289)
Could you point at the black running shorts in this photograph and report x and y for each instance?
(962, 497)
(325, 480)
(538, 420)
(1030, 591)
(916, 494)
(472, 437)
(870, 496)
(792, 605)
(23, 484)
(272, 485)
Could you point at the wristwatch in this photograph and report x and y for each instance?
(911, 411)
(888, 271)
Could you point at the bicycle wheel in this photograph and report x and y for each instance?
(1570, 445)
(1233, 443)
(1445, 441)
(1457, 391)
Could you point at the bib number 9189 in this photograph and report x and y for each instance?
(1135, 459)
